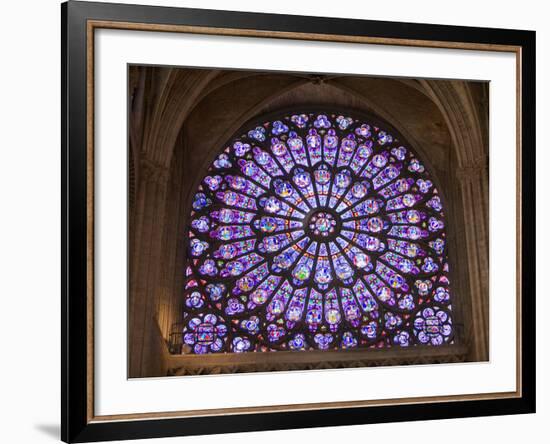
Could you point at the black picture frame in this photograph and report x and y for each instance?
(76, 424)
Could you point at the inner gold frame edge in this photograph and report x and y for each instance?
(92, 25)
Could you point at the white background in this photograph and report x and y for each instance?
(29, 239)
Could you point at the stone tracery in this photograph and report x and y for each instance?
(316, 231)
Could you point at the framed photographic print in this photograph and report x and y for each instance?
(277, 221)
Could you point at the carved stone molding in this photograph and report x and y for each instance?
(176, 99)
(454, 99)
(153, 172)
(180, 366)
(471, 172)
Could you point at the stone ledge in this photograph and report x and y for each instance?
(311, 360)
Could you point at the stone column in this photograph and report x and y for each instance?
(474, 185)
(174, 242)
(145, 264)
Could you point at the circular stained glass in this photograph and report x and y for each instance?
(316, 231)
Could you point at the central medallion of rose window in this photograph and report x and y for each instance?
(322, 224)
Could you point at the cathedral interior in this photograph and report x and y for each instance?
(184, 121)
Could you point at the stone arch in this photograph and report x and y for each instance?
(272, 101)
(471, 146)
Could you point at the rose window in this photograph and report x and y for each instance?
(316, 231)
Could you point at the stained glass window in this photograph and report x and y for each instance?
(316, 231)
